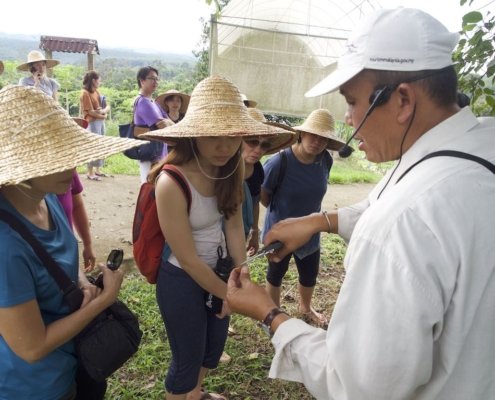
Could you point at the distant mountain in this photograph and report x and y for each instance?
(17, 46)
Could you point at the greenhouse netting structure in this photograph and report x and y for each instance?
(276, 50)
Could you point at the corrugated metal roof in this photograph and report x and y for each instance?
(69, 45)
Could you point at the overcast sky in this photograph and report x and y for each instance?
(163, 25)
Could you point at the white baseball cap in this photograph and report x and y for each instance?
(400, 39)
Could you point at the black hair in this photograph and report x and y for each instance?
(440, 85)
(88, 80)
(143, 73)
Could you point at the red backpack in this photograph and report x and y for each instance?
(147, 237)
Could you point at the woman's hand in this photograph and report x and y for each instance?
(163, 123)
(226, 311)
(89, 258)
(254, 244)
(90, 292)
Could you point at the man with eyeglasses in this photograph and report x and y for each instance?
(414, 317)
(149, 114)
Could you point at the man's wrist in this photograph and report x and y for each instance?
(269, 324)
(327, 218)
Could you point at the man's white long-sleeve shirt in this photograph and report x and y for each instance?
(415, 318)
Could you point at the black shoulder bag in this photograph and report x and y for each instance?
(111, 338)
(147, 152)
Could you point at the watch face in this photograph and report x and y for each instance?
(266, 329)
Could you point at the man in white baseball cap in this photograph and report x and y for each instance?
(414, 317)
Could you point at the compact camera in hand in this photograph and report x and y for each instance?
(114, 260)
(222, 268)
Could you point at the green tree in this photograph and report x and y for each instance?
(70, 79)
(474, 57)
(202, 68)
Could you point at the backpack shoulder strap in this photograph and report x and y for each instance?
(452, 153)
(327, 159)
(70, 290)
(177, 176)
(136, 101)
(281, 171)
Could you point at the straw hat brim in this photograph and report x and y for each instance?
(334, 143)
(250, 103)
(27, 160)
(43, 140)
(281, 140)
(49, 64)
(229, 120)
(1, 67)
(160, 100)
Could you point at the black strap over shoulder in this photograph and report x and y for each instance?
(72, 294)
(281, 171)
(452, 153)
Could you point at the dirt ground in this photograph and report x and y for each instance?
(110, 205)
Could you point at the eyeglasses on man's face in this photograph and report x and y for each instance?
(153, 78)
(264, 145)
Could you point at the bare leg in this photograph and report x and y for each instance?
(196, 394)
(274, 293)
(305, 294)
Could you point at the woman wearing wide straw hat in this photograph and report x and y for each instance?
(299, 192)
(41, 147)
(252, 151)
(37, 64)
(207, 153)
(174, 103)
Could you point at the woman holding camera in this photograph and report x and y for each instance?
(207, 153)
(37, 355)
(37, 65)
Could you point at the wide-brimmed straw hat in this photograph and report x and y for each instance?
(279, 141)
(248, 103)
(1, 67)
(215, 109)
(35, 56)
(320, 122)
(161, 100)
(38, 138)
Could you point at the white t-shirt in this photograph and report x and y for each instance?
(47, 85)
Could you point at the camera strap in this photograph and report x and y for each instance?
(73, 295)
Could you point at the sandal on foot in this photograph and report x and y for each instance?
(211, 396)
(94, 178)
(102, 174)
